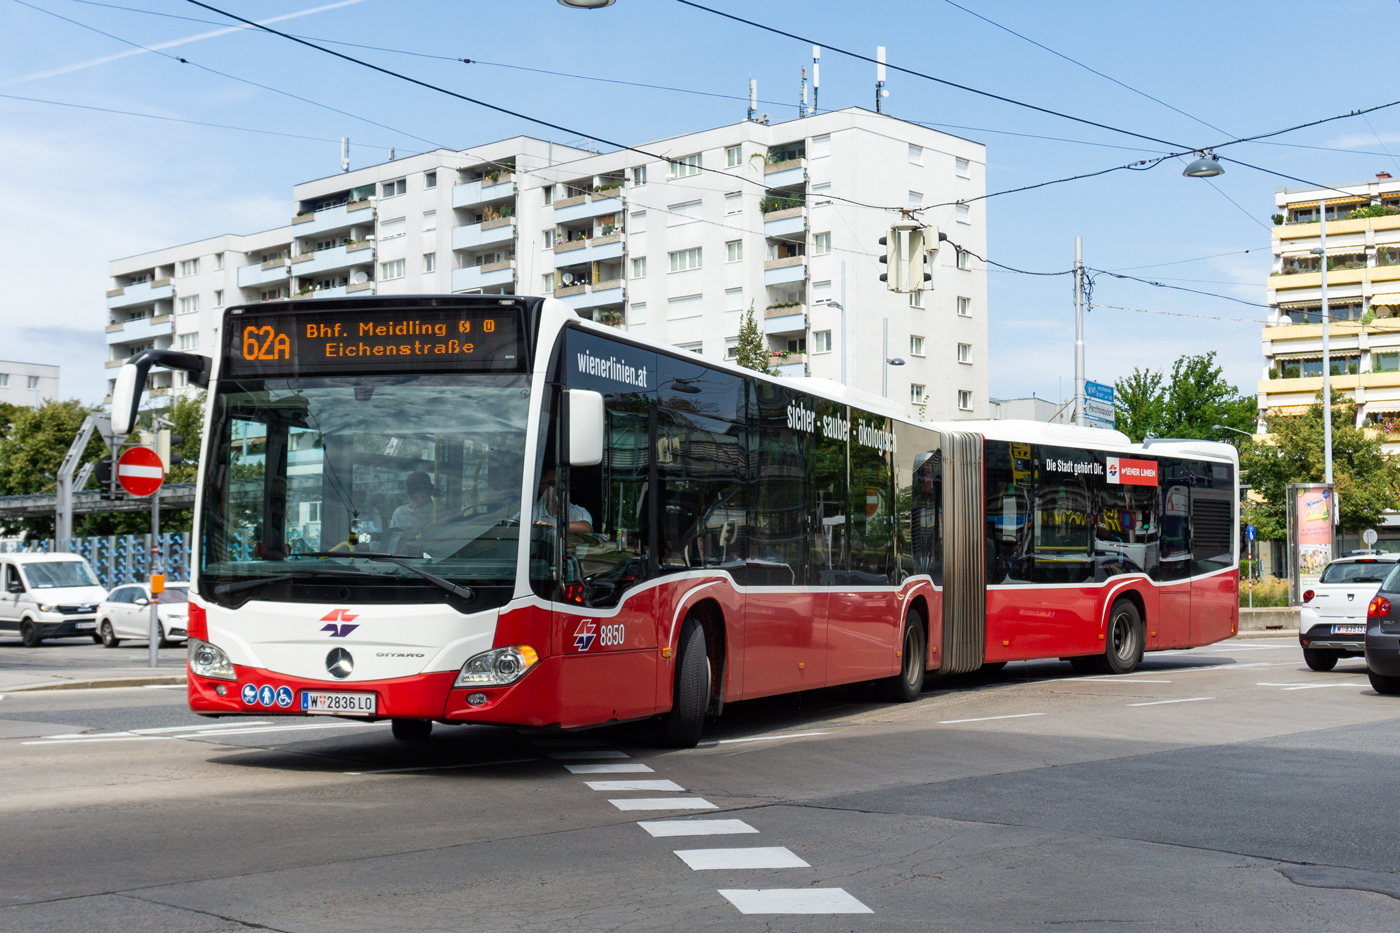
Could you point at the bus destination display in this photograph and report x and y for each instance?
(379, 341)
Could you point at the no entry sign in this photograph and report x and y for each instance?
(140, 471)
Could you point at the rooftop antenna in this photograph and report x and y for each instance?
(802, 110)
(816, 74)
(880, 91)
(753, 98)
(391, 154)
(345, 153)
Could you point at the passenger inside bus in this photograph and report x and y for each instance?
(412, 517)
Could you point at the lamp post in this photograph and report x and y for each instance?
(888, 362)
(1226, 427)
(842, 308)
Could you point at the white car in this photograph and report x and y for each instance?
(48, 596)
(126, 614)
(1332, 618)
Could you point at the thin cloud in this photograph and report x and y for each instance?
(160, 46)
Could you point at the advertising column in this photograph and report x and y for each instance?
(1312, 520)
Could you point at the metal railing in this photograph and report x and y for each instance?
(118, 559)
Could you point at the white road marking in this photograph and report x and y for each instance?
(106, 738)
(663, 803)
(1135, 680)
(328, 725)
(633, 767)
(475, 764)
(204, 728)
(660, 828)
(734, 859)
(576, 756)
(796, 901)
(163, 686)
(761, 738)
(634, 785)
(951, 722)
(1161, 702)
(1354, 683)
(206, 732)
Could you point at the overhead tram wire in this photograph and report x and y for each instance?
(1177, 262)
(231, 77)
(1087, 68)
(1181, 288)
(156, 116)
(504, 110)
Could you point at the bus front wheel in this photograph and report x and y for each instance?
(681, 727)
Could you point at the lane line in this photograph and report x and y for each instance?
(634, 785)
(1354, 683)
(628, 768)
(204, 728)
(741, 859)
(795, 901)
(952, 722)
(663, 803)
(664, 828)
(105, 738)
(209, 733)
(761, 738)
(578, 756)
(328, 725)
(474, 764)
(1109, 680)
(1163, 702)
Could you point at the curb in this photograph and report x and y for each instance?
(155, 680)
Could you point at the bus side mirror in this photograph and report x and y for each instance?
(585, 425)
(126, 398)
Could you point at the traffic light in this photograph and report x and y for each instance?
(164, 442)
(105, 485)
(909, 249)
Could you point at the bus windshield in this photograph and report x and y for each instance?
(307, 472)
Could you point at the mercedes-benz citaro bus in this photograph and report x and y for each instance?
(485, 509)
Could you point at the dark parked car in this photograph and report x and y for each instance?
(1383, 636)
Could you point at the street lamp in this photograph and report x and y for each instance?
(888, 362)
(1226, 427)
(840, 306)
(1207, 166)
(586, 4)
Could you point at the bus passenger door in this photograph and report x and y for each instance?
(1214, 595)
(1174, 587)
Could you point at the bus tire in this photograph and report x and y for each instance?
(681, 727)
(991, 667)
(1319, 660)
(1123, 640)
(411, 730)
(906, 686)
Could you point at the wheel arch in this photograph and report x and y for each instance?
(918, 603)
(710, 615)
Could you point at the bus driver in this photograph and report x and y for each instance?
(547, 507)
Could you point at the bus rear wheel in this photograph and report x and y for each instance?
(681, 727)
(906, 686)
(1123, 643)
(411, 730)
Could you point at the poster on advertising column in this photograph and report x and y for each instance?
(1312, 515)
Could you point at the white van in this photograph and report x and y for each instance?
(48, 596)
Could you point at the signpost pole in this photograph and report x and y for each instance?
(156, 580)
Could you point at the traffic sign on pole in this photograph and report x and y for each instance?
(140, 471)
(1249, 532)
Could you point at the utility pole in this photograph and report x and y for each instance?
(1326, 351)
(880, 92)
(885, 361)
(844, 351)
(1079, 417)
(816, 75)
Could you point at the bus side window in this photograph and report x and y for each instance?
(1062, 514)
(1175, 479)
(827, 494)
(1009, 475)
(871, 511)
(920, 497)
(1126, 530)
(612, 558)
(780, 450)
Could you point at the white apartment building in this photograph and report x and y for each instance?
(27, 384)
(673, 248)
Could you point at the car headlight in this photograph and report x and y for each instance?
(46, 607)
(208, 660)
(497, 667)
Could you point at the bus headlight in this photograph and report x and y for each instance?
(208, 660)
(497, 667)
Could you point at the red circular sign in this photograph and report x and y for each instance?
(140, 471)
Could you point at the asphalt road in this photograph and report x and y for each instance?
(1226, 788)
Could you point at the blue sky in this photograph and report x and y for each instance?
(82, 187)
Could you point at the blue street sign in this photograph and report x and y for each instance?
(1249, 532)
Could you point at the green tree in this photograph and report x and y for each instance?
(1189, 403)
(1367, 480)
(32, 449)
(752, 351)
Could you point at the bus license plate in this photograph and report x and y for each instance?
(1348, 630)
(338, 704)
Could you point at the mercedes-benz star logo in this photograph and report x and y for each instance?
(340, 663)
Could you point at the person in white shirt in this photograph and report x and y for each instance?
(547, 507)
(410, 519)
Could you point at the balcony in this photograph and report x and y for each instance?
(602, 294)
(333, 218)
(483, 190)
(140, 294)
(785, 271)
(788, 223)
(787, 174)
(794, 365)
(597, 249)
(588, 205)
(141, 330)
(335, 258)
(486, 233)
(786, 320)
(339, 291)
(486, 275)
(273, 271)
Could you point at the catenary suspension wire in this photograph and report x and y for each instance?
(497, 107)
(1180, 288)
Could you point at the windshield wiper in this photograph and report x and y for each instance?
(463, 592)
(223, 589)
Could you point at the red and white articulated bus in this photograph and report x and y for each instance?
(484, 509)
